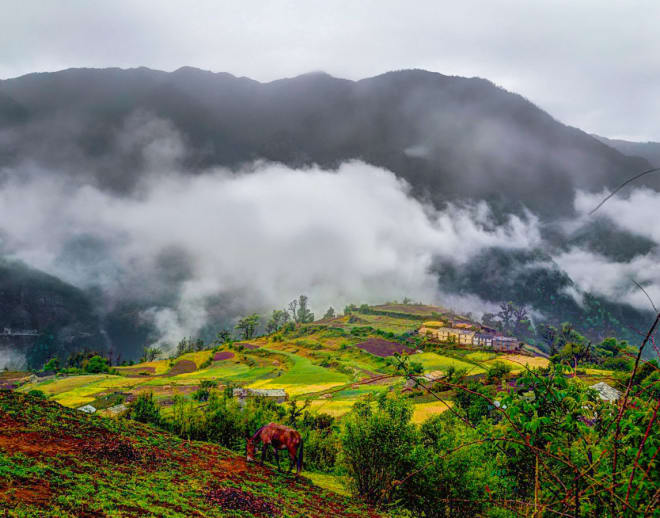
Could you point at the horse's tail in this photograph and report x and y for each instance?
(300, 456)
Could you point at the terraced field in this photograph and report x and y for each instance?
(326, 362)
(437, 362)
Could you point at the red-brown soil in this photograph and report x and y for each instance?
(110, 454)
(383, 348)
(138, 371)
(247, 345)
(182, 367)
(223, 355)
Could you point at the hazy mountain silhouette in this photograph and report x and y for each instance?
(450, 137)
(647, 150)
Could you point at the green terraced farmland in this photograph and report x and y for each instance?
(436, 362)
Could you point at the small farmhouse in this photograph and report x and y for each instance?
(465, 336)
(505, 343)
(606, 392)
(277, 395)
(463, 333)
(483, 340)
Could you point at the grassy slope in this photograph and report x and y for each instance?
(62, 463)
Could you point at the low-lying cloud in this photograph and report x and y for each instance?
(256, 239)
(635, 213)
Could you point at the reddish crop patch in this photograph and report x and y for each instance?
(38, 493)
(246, 345)
(138, 371)
(239, 500)
(223, 355)
(182, 367)
(34, 444)
(383, 348)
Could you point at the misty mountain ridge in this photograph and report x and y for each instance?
(447, 136)
(110, 150)
(650, 151)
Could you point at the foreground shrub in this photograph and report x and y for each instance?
(145, 409)
(377, 445)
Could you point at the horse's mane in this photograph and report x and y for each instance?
(257, 432)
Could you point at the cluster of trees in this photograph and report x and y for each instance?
(569, 346)
(511, 320)
(298, 312)
(546, 446)
(543, 446)
(188, 345)
(88, 362)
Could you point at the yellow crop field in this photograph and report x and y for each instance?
(334, 408)
(519, 361)
(67, 384)
(422, 411)
(480, 356)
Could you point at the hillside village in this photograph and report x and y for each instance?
(470, 334)
(311, 376)
(332, 362)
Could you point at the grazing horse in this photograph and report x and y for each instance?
(279, 437)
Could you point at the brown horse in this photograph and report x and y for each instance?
(279, 437)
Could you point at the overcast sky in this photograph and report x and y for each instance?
(592, 64)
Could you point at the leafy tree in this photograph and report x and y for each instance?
(293, 309)
(330, 313)
(145, 409)
(489, 320)
(184, 346)
(304, 315)
(473, 404)
(52, 365)
(223, 336)
(497, 372)
(151, 353)
(278, 319)
(506, 316)
(96, 364)
(453, 485)
(548, 335)
(247, 326)
(376, 445)
(293, 412)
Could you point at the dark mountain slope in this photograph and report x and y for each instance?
(647, 150)
(62, 315)
(448, 136)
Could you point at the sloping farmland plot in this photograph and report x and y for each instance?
(156, 367)
(436, 362)
(518, 362)
(422, 411)
(383, 348)
(303, 377)
(80, 390)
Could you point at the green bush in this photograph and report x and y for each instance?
(145, 409)
(376, 445)
(498, 371)
(201, 394)
(321, 447)
(96, 365)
